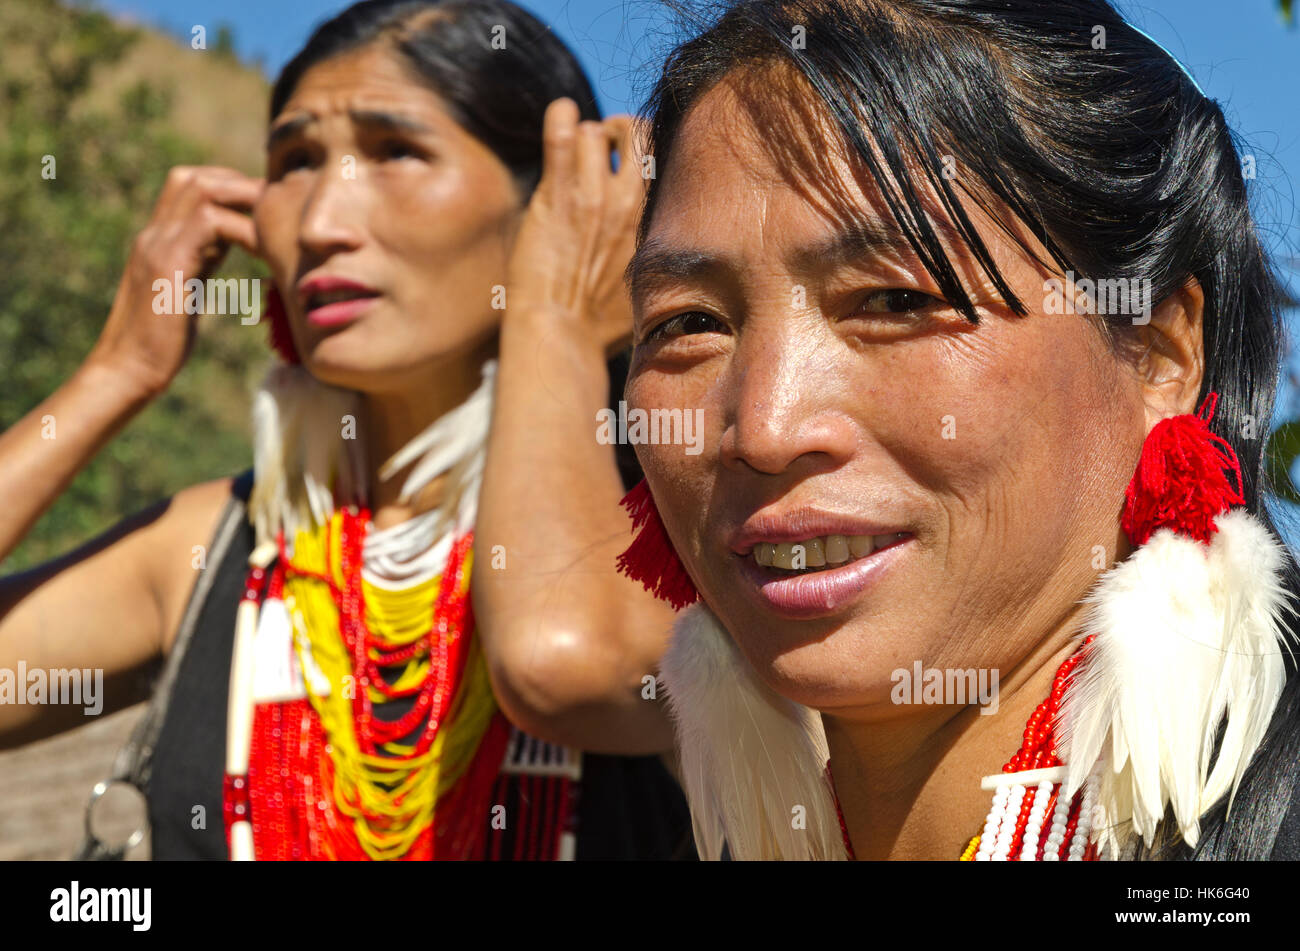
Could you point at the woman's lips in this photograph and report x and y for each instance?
(339, 312)
(332, 299)
(823, 592)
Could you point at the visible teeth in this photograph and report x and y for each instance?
(820, 551)
(783, 557)
(861, 545)
(333, 297)
(837, 549)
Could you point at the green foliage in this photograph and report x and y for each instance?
(1280, 455)
(225, 44)
(64, 243)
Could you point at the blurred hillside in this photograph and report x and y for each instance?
(114, 107)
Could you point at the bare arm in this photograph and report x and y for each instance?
(110, 605)
(569, 641)
(109, 608)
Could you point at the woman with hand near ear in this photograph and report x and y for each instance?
(335, 685)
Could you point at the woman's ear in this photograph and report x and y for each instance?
(1170, 354)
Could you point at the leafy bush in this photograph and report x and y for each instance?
(64, 243)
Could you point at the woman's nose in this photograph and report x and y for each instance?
(332, 216)
(787, 405)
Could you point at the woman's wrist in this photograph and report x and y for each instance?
(561, 339)
(557, 321)
(114, 383)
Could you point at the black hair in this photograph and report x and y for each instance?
(1093, 136)
(498, 94)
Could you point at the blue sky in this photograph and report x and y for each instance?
(1239, 52)
(1245, 57)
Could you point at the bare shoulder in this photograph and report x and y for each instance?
(111, 604)
(182, 535)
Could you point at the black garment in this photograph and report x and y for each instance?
(629, 807)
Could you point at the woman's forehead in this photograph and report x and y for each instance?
(768, 165)
(764, 123)
(746, 171)
(368, 80)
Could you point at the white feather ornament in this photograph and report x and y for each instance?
(753, 763)
(299, 451)
(1188, 636)
(303, 462)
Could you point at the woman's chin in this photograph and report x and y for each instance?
(355, 360)
(830, 678)
(353, 366)
(346, 375)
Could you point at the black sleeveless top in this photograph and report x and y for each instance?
(629, 807)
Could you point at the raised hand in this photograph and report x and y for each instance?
(578, 232)
(202, 211)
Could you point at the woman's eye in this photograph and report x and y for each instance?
(896, 301)
(400, 150)
(292, 161)
(692, 322)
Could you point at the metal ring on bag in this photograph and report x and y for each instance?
(96, 794)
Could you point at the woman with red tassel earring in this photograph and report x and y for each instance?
(974, 561)
(419, 570)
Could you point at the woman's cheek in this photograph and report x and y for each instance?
(642, 387)
(683, 463)
(643, 392)
(273, 219)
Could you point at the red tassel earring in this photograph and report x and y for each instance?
(1184, 639)
(278, 327)
(651, 559)
(1182, 480)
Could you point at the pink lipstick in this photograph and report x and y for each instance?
(330, 300)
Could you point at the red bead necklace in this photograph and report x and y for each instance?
(290, 787)
(443, 642)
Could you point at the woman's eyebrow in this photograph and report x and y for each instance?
(368, 117)
(862, 239)
(656, 262)
(389, 120)
(288, 128)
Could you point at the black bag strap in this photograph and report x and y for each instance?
(134, 762)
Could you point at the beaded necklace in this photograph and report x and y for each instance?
(356, 625)
(1026, 792)
(328, 778)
